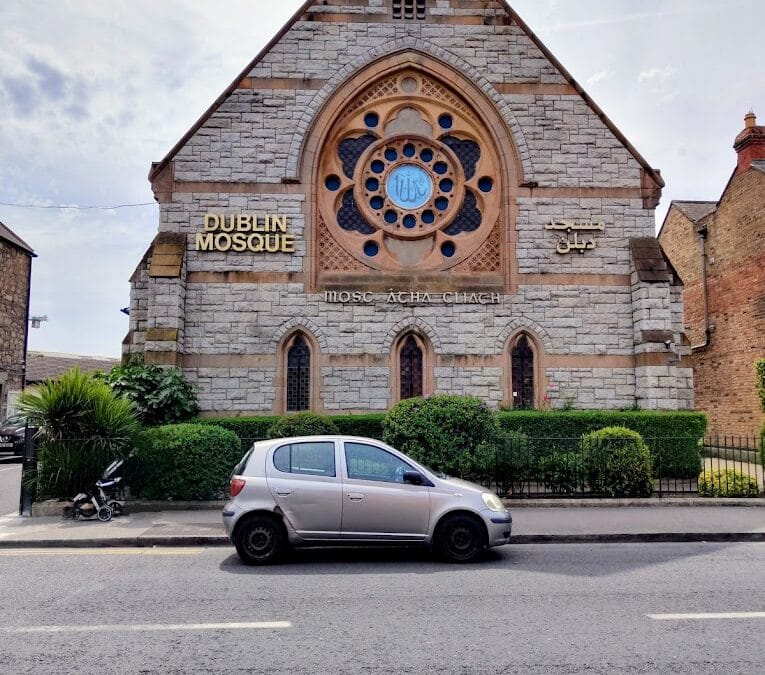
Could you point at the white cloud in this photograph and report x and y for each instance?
(600, 76)
(657, 74)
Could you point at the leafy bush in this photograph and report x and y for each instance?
(453, 434)
(759, 369)
(673, 437)
(367, 426)
(562, 472)
(83, 427)
(161, 395)
(515, 464)
(618, 463)
(183, 461)
(762, 444)
(302, 424)
(728, 483)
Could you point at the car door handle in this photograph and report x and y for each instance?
(284, 492)
(355, 496)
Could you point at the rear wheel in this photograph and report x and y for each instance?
(459, 538)
(260, 540)
(104, 514)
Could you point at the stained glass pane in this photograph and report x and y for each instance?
(298, 376)
(523, 374)
(411, 369)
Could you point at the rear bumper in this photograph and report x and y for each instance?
(231, 514)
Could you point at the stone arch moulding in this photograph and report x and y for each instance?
(306, 325)
(347, 79)
(469, 229)
(516, 326)
(411, 326)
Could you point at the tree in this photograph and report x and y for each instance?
(160, 395)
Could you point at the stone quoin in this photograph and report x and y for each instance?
(435, 153)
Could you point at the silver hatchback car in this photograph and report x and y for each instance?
(339, 490)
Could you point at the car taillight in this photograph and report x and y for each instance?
(236, 485)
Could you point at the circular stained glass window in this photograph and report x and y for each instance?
(409, 187)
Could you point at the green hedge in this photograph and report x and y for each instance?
(183, 461)
(618, 463)
(673, 437)
(762, 444)
(258, 428)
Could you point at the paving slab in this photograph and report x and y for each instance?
(531, 525)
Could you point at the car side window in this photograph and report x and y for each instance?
(368, 462)
(312, 459)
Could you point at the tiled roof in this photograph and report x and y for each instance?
(695, 211)
(649, 260)
(43, 366)
(11, 238)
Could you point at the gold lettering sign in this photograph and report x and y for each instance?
(245, 232)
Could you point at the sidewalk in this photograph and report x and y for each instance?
(602, 524)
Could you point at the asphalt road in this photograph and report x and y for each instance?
(549, 609)
(10, 481)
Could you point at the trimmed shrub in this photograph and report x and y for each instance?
(302, 424)
(515, 464)
(183, 462)
(454, 434)
(728, 483)
(562, 472)
(673, 437)
(762, 444)
(367, 426)
(618, 463)
(251, 429)
(83, 427)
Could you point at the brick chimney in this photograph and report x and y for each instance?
(750, 143)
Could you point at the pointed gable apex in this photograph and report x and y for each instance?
(651, 178)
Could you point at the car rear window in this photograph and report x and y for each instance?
(239, 468)
(313, 459)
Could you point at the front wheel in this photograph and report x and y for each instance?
(459, 539)
(260, 540)
(105, 514)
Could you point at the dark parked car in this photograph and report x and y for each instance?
(12, 435)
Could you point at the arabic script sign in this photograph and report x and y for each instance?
(570, 241)
(409, 186)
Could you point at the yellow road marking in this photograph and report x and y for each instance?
(28, 552)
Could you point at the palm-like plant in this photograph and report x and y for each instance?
(82, 425)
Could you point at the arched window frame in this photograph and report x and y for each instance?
(540, 383)
(428, 385)
(280, 402)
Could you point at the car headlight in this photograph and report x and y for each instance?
(493, 503)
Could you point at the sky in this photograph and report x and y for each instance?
(92, 92)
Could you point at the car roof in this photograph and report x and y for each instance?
(316, 439)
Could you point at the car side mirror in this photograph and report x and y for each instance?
(414, 477)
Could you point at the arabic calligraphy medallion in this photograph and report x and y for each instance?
(409, 187)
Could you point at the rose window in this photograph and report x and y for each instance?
(409, 177)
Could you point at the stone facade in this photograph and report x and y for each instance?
(16, 265)
(605, 328)
(730, 336)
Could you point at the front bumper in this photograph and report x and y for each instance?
(499, 526)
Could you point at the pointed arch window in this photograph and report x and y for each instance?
(298, 375)
(522, 367)
(411, 368)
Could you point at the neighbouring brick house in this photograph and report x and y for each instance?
(409, 197)
(15, 275)
(718, 249)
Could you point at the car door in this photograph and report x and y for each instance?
(377, 504)
(304, 481)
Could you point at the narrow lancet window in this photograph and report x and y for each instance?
(523, 374)
(411, 369)
(298, 376)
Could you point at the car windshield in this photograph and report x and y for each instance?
(14, 421)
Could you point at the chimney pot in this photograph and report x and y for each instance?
(750, 120)
(750, 143)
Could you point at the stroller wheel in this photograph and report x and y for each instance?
(104, 514)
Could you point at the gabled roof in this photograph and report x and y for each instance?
(158, 167)
(43, 366)
(9, 237)
(695, 211)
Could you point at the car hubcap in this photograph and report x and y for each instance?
(461, 539)
(260, 540)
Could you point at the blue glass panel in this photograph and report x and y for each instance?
(378, 166)
(428, 217)
(371, 120)
(446, 185)
(409, 150)
(377, 202)
(446, 121)
(371, 249)
(409, 186)
(485, 184)
(440, 168)
(373, 185)
(426, 155)
(410, 221)
(448, 249)
(391, 155)
(442, 203)
(332, 183)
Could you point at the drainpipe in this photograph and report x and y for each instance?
(703, 233)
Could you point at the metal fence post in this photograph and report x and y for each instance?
(28, 467)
